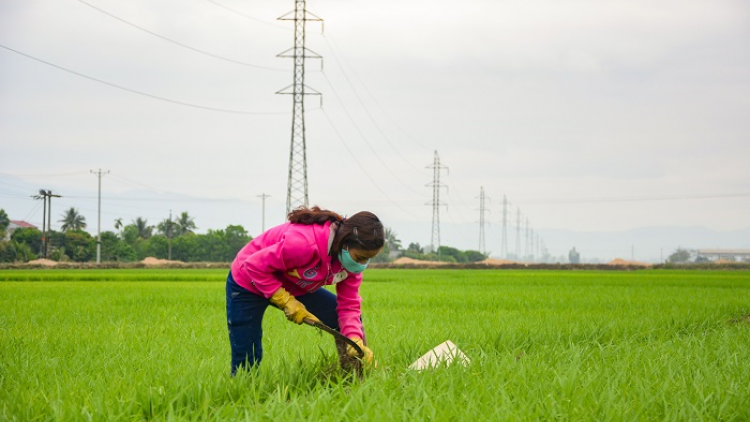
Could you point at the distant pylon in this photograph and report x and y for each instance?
(482, 210)
(527, 244)
(504, 241)
(518, 233)
(436, 185)
(296, 193)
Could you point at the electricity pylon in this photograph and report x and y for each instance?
(504, 241)
(436, 185)
(482, 210)
(296, 193)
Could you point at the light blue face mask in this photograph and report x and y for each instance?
(350, 264)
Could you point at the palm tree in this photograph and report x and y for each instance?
(118, 224)
(185, 224)
(393, 242)
(72, 220)
(144, 230)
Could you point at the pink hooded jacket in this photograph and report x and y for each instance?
(296, 257)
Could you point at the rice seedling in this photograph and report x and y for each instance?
(149, 344)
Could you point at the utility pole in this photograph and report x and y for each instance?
(482, 197)
(263, 197)
(47, 196)
(99, 175)
(436, 185)
(43, 196)
(50, 195)
(296, 193)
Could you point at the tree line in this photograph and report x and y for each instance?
(169, 239)
(132, 242)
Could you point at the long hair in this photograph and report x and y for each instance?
(363, 230)
(314, 215)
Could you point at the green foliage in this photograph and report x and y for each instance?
(415, 248)
(29, 236)
(143, 229)
(185, 224)
(7, 252)
(4, 223)
(474, 256)
(450, 254)
(236, 237)
(679, 256)
(130, 235)
(72, 220)
(24, 253)
(79, 246)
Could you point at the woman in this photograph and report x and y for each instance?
(287, 265)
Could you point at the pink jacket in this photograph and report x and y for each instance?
(296, 257)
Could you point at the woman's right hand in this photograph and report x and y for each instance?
(294, 310)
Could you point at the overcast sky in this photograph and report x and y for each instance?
(586, 115)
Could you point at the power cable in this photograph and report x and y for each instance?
(216, 56)
(247, 16)
(367, 111)
(374, 99)
(38, 176)
(356, 160)
(223, 110)
(364, 138)
(544, 201)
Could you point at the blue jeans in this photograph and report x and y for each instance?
(245, 311)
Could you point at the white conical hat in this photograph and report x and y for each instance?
(444, 353)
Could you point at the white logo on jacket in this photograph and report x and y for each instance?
(340, 276)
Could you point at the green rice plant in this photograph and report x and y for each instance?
(146, 344)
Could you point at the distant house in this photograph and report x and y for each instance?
(17, 224)
(724, 254)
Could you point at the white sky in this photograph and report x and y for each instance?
(587, 115)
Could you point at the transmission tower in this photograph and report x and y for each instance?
(504, 242)
(482, 209)
(296, 193)
(436, 185)
(526, 244)
(518, 233)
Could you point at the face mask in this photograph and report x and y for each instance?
(351, 265)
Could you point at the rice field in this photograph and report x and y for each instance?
(147, 344)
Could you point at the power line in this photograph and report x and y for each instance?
(367, 111)
(223, 110)
(374, 99)
(246, 16)
(197, 50)
(359, 164)
(545, 201)
(364, 138)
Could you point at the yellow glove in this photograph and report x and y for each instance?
(294, 310)
(351, 351)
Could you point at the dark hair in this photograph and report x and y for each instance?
(314, 215)
(362, 230)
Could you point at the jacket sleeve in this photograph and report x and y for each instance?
(267, 266)
(349, 306)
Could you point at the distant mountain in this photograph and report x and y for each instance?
(652, 244)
